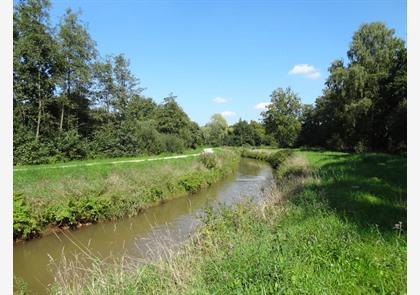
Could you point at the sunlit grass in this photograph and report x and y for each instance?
(84, 194)
(328, 228)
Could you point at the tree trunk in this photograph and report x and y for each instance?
(68, 99)
(39, 108)
(62, 117)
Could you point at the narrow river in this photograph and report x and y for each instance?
(170, 223)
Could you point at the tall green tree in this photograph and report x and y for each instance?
(78, 52)
(241, 133)
(364, 104)
(171, 119)
(36, 62)
(104, 86)
(216, 130)
(258, 132)
(126, 85)
(141, 108)
(281, 119)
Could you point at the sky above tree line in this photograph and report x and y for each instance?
(227, 56)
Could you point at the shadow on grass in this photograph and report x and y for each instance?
(368, 190)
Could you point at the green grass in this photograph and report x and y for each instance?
(365, 189)
(83, 194)
(327, 229)
(106, 161)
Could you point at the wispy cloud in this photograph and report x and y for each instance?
(306, 70)
(220, 100)
(227, 114)
(262, 105)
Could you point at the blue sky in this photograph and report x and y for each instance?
(227, 56)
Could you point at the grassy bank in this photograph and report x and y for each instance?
(80, 194)
(335, 224)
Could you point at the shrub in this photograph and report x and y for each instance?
(173, 143)
(105, 141)
(192, 182)
(25, 224)
(70, 146)
(79, 210)
(31, 152)
(208, 160)
(278, 158)
(150, 140)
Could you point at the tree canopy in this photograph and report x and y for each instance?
(69, 102)
(281, 119)
(364, 103)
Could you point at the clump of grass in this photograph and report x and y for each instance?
(303, 238)
(20, 287)
(209, 160)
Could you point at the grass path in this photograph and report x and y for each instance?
(208, 150)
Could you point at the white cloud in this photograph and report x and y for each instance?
(220, 100)
(228, 114)
(306, 70)
(261, 106)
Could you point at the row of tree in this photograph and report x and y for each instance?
(71, 103)
(217, 133)
(364, 103)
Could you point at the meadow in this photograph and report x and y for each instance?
(335, 223)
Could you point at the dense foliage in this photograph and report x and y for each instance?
(69, 103)
(281, 119)
(364, 104)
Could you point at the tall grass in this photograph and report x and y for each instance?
(328, 227)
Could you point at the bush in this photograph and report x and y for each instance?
(278, 158)
(208, 160)
(31, 152)
(70, 146)
(173, 144)
(150, 140)
(25, 224)
(192, 182)
(78, 210)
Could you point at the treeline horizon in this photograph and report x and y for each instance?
(71, 103)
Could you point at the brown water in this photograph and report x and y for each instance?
(168, 224)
